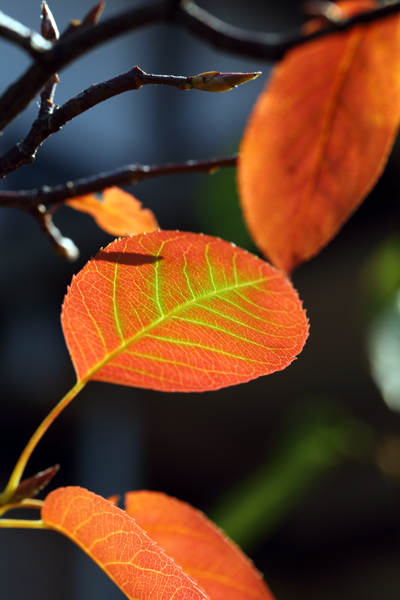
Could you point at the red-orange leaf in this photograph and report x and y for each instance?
(198, 546)
(319, 137)
(177, 311)
(119, 213)
(139, 567)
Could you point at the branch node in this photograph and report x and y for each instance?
(64, 247)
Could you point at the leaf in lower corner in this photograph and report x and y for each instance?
(111, 538)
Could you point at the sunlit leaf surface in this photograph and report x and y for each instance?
(319, 137)
(119, 213)
(139, 567)
(198, 546)
(176, 311)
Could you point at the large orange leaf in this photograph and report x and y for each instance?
(177, 311)
(198, 546)
(319, 137)
(119, 213)
(139, 567)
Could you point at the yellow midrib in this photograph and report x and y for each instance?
(128, 342)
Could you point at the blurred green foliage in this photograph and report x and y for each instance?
(219, 213)
(318, 435)
(381, 286)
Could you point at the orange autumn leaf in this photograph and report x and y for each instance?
(111, 538)
(119, 214)
(319, 137)
(176, 311)
(198, 546)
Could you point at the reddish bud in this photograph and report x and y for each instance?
(49, 29)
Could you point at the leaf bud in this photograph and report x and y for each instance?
(213, 81)
(49, 29)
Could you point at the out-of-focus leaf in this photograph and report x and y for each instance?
(387, 455)
(175, 311)
(198, 546)
(317, 436)
(119, 213)
(381, 297)
(381, 276)
(384, 352)
(319, 137)
(219, 212)
(111, 538)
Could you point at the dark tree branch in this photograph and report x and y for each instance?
(25, 38)
(50, 59)
(28, 199)
(262, 45)
(51, 120)
(49, 31)
(21, 93)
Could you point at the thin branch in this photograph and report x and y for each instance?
(64, 247)
(49, 31)
(267, 46)
(186, 13)
(51, 120)
(28, 199)
(25, 38)
(60, 54)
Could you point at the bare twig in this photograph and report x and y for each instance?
(27, 39)
(21, 93)
(63, 246)
(51, 119)
(53, 58)
(49, 31)
(28, 199)
(262, 45)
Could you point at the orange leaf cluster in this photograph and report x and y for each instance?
(119, 214)
(145, 568)
(111, 538)
(319, 137)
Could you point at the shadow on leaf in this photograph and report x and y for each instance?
(127, 258)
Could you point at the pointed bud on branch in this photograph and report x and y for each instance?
(93, 16)
(213, 81)
(33, 485)
(49, 29)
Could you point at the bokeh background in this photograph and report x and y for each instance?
(302, 467)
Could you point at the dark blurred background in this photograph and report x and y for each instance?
(302, 467)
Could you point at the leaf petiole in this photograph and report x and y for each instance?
(23, 524)
(35, 439)
(26, 503)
